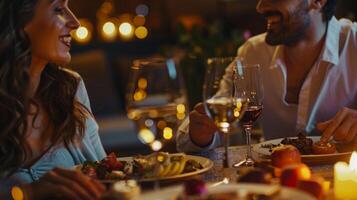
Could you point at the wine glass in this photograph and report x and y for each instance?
(156, 101)
(224, 101)
(250, 77)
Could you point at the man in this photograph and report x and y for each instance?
(309, 67)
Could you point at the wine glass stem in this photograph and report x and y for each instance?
(226, 144)
(248, 132)
(157, 166)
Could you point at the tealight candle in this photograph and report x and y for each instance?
(346, 179)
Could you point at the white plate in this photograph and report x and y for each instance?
(310, 158)
(206, 163)
(172, 193)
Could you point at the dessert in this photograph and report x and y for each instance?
(285, 155)
(323, 148)
(302, 143)
(291, 175)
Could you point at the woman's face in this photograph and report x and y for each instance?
(49, 31)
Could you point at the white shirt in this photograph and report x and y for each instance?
(330, 85)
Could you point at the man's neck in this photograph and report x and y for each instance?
(305, 52)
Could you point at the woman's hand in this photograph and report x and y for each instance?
(202, 128)
(64, 184)
(342, 127)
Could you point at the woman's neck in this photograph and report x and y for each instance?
(36, 68)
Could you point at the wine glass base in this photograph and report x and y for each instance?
(245, 163)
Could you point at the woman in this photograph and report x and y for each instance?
(46, 126)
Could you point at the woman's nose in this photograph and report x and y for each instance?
(73, 21)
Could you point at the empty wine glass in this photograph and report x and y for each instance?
(224, 101)
(156, 101)
(250, 77)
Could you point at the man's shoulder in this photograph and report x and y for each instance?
(348, 29)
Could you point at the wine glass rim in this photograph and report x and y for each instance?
(225, 58)
(146, 61)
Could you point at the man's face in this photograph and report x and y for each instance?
(287, 20)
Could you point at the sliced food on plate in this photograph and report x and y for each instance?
(158, 165)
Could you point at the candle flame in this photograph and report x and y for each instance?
(353, 162)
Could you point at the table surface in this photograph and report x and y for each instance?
(237, 153)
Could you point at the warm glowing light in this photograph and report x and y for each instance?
(142, 83)
(17, 193)
(139, 95)
(161, 124)
(236, 112)
(126, 29)
(153, 113)
(146, 136)
(149, 122)
(180, 108)
(180, 116)
(139, 20)
(353, 162)
(305, 173)
(156, 145)
(82, 33)
(345, 179)
(161, 158)
(141, 32)
(109, 30)
(168, 133)
(239, 105)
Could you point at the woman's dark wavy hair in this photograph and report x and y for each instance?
(56, 90)
(329, 10)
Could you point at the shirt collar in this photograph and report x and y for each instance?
(330, 51)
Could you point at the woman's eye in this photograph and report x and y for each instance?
(59, 10)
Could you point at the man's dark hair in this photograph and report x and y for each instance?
(329, 9)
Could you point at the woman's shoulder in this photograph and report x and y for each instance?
(71, 72)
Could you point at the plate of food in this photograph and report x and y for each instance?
(160, 166)
(232, 191)
(312, 150)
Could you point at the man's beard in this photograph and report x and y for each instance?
(289, 33)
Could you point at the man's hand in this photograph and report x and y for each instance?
(201, 128)
(342, 127)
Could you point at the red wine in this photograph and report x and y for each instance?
(251, 114)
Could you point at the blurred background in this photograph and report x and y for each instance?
(116, 32)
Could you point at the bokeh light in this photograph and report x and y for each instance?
(126, 30)
(167, 133)
(142, 83)
(156, 145)
(139, 20)
(142, 9)
(180, 108)
(141, 32)
(84, 33)
(146, 136)
(17, 193)
(109, 30)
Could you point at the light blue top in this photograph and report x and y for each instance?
(90, 148)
